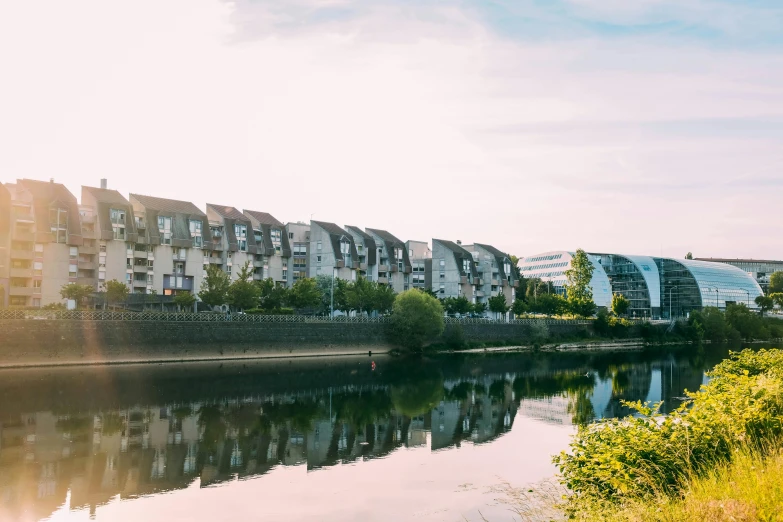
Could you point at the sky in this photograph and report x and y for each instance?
(631, 126)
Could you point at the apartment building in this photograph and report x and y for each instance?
(394, 264)
(495, 273)
(454, 272)
(45, 242)
(299, 238)
(233, 231)
(5, 244)
(108, 218)
(420, 255)
(332, 251)
(366, 252)
(273, 246)
(173, 232)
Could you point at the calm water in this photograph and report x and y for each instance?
(326, 440)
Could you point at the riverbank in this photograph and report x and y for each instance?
(700, 462)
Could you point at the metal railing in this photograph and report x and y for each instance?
(108, 315)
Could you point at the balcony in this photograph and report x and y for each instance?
(139, 283)
(140, 254)
(21, 272)
(88, 250)
(395, 269)
(355, 265)
(363, 266)
(86, 281)
(88, 233)
(22, 291)
(494, 282)
(480, 293)
(463, 280)
(139, 269)
(478, 281)
(383, 280)
(141, 224)
(87, 219)
(180, 256)
(22, 254)
(256, 263)
(383, 268)
(23, 234)
(24, 217)
(87, 265)
(339, 263)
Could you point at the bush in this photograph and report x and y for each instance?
(607, 325)
(454, 337)
(417, 319)
(640, 457)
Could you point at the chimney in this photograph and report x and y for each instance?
(104, 183)
(459, 242)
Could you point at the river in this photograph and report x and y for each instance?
(332, 439)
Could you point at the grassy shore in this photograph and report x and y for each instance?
(716, 458)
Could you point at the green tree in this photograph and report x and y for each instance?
(214, 287)
(620, 304)
(324, 283)
(515, 267)
(479, 308)
(519, 307)
(271, 296)
(688, 256)
(417, 318)
(765, 303)
(429, 292)
(578, 290)
(184, 300)
(550, 304)
(243, 292)
(777, 298)
(360, 295)
(383, 300)
(76, 292)
(456, 305)
(305, 293)
(497, 304)
(775, 283)
(116, 292)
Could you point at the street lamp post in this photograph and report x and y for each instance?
(331, 306)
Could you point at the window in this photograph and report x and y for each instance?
(164, 227)
(38, 247)
(442, 262)
(443, 275)
(117, 217)
(290, 235)
(74, 252)
(149, 263)
(102, 248)
(318, 246)
(195, 232)
(285, 274)
(276, 235)
(318, 259)
(442, 289)
(240, 231)
(36, 283)
(58, 221)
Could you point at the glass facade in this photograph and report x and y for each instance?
(630, 279)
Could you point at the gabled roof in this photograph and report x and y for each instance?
(47, 190)
(492, 250)
(359, 232)
(227, 212)
(454, 247)
(263, 218)
(331, 228)
(107, 196)
(387, 237)
(168, 205)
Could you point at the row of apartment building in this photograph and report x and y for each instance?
(164, 246)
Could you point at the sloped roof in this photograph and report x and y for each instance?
(228, 212)
(388, 237)
(492, 250)
(454, 247)
(107, 196)
(263, 218)
(331, 228)
(173, 206)
(47, 190)
(359, 232)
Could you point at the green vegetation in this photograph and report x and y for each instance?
(775, 283)
(243, 292)
(417, 319)
(579, 275)
(689, 256)
(497, 304)
(305, 294)
(765, 303)
(116, 292)
(184, 300)
(634, 468)
(620, 304)
(76, 292)
(736, 323)
(214, 287)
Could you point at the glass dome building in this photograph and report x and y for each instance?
(656, 287)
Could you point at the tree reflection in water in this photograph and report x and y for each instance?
(240, 427)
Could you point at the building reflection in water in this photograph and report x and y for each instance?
(143, 450)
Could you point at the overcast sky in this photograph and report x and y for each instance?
(635, 126)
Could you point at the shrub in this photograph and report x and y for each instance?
(454, 337)
(417, 319)
(640, 457)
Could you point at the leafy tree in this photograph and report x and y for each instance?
(519, 307)
(479, 308)
(688, 256)
(620, 304)
(305, 293)
(324, 283)
(76, 292)
(341, 297)
(536, 287)
(456, 305)
(497, 304)
(775, 283)
(777, 298)
(515, 267)
(270, 296)
(214, 287)
(243, 292)
(116, 292)
(578, 290)
(429, 292)
(417, 318)
(743, 320)
(383, 300)
(360, 295)
(184, 300)
(765, 303)
(550, 304)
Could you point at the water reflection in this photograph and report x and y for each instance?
(101, 433)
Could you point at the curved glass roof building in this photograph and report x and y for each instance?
(656, 287)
